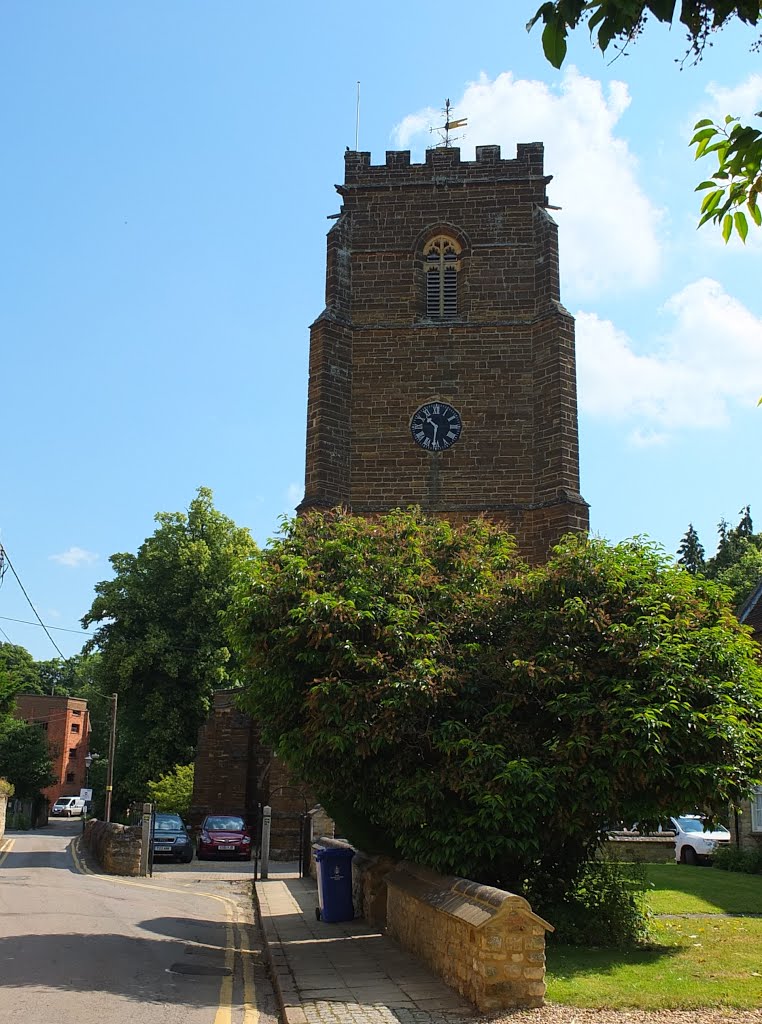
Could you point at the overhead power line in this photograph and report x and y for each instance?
(29, 600)
(60, 629)
(83, 632)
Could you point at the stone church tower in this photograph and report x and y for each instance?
(442, 369)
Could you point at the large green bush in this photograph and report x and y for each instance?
(487, 718)
(604, 906)
(729, 858)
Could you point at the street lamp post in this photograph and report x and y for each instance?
(89, 761)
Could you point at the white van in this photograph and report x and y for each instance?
(68, 807)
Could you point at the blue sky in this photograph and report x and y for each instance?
(168, 169)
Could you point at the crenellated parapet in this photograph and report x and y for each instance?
(443, 165)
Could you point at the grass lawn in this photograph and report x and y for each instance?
(711, 960)
(679, 889)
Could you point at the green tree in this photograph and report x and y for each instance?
(691, 551)
(743, 575)
(173, 791)
(732, 543)
(486, 718)
(737, 179)
(24, 758)
(19, 669)
(727, 549)
(160, 638)
(737, 562)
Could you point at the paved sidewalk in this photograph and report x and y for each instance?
(347, 973)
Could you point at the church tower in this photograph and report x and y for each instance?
(442, 369)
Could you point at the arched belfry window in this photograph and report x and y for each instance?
(441, 262)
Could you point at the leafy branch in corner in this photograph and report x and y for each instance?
(737, 181)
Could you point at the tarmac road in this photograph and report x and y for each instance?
(83, 948)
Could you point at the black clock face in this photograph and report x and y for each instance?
(436, 426)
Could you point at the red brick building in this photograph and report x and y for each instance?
(66, 722)
(442, 370)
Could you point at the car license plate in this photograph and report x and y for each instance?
(226, 846)
(162, 848)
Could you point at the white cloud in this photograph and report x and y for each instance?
(742, 100)
(609, 225)
(74, 557)
(709, 360)
(294, 494)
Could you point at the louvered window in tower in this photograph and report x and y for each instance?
(442, 263)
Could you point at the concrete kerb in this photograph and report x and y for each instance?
(283, 981)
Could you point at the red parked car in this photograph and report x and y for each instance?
(224, 835)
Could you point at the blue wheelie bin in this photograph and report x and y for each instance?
(334, 878)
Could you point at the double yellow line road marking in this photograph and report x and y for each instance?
(5, 849)
(236, 942)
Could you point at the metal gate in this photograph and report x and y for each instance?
(294, 829)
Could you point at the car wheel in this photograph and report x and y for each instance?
(187, 858)
(689, 855)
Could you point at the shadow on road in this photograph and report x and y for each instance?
(25, 860)
(185, 969)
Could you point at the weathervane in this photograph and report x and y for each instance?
(445, 129)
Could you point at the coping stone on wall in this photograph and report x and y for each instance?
(471, 902)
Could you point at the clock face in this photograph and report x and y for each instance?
(436, 426)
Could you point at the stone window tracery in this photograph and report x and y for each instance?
(441, 262)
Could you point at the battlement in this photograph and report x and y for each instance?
(440, 162)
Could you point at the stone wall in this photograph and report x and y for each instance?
(369, 887)
(228, 770)
(484, 942)
(741, 834)
(235, 773)
(117, 848)
(649, 849)
(322, 824)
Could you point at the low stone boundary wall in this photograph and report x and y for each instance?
(117, 848)
(484, 942)
(369, 891)
(656, 849)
